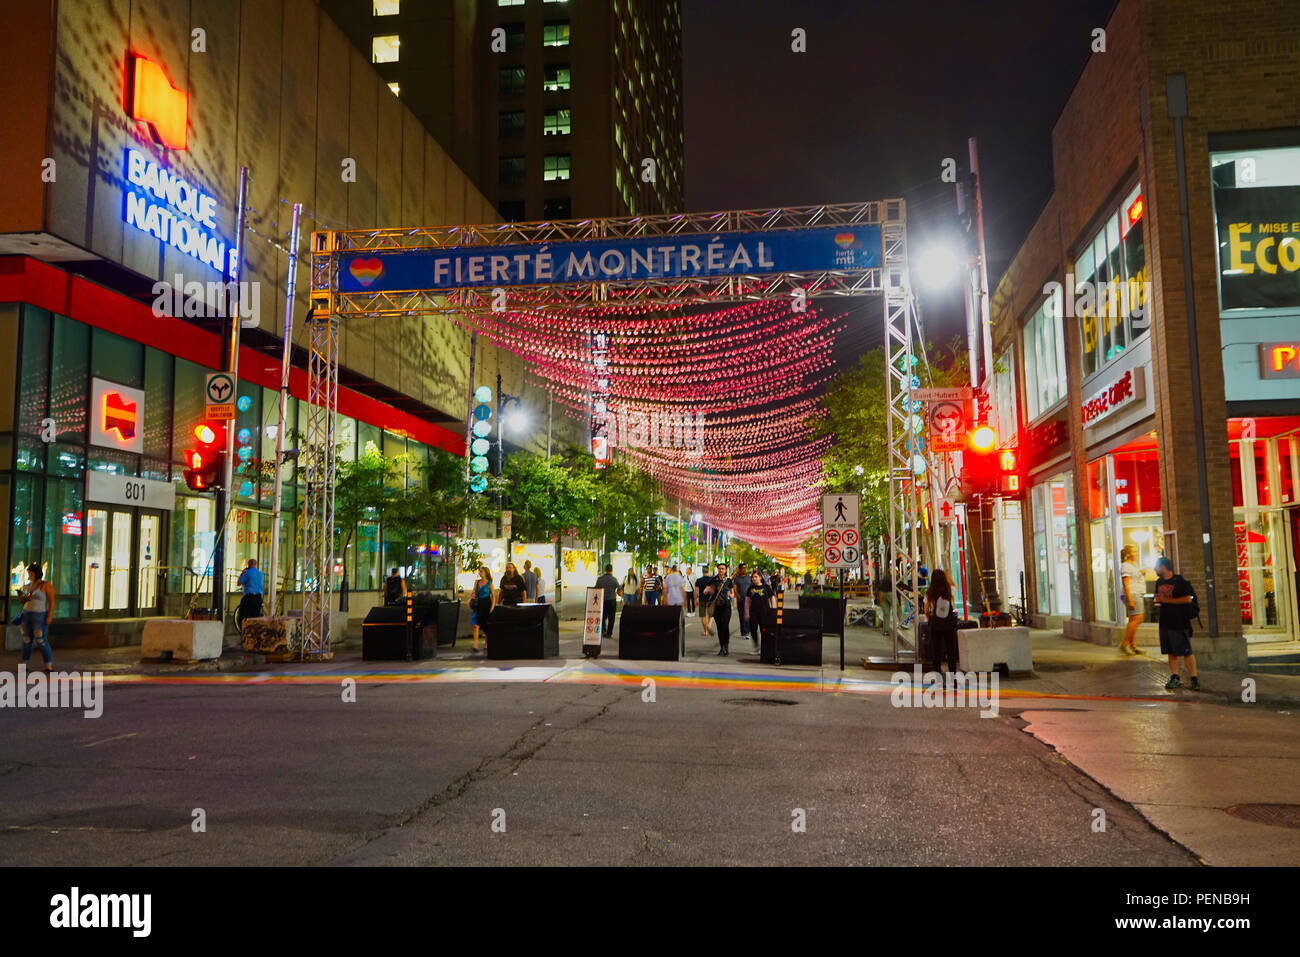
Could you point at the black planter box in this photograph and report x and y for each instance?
(650, 632)
(522, 631)
(383, 633)
(832, 610)
(801, 637)
(446, 622)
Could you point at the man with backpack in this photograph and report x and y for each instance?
(394, 588)
(1177, 603)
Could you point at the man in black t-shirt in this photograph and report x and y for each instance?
(1174, 599)
(724, 593)
(611, 586)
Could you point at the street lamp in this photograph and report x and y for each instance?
(938, 266)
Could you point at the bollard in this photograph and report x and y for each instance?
(410, 618)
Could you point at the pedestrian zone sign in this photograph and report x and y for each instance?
(841, 536)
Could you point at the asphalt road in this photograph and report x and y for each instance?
(419, 773)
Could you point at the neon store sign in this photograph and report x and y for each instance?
(175, 211)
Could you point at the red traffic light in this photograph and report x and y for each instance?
(983, 439)
(205, 463)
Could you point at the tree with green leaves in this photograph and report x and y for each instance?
(855, 403)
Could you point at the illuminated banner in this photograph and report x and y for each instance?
(613, 260)
(1259, 247)
(170, 209)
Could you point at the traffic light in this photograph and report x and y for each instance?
(1010, 481)
(204, 463)
(979, 462)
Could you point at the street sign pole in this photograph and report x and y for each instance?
(229, 363)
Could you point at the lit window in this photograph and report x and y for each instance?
(555, 34)
(396, 88)
(556, 123)
(510, 3)
(555, 1)
(555, 167)
(557, 77)
(384, 49)
(510, 80)
(386, 8)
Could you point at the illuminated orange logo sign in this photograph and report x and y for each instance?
(1279, 360)
(118, 415)
(1135, 210)
(151, 97)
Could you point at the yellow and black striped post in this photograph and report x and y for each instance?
(410, 622)
(776, 638)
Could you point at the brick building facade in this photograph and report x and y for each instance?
(1091, 322)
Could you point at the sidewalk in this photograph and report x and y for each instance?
(1062, 666)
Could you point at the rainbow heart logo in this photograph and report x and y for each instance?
(845, 240)
(365, 271)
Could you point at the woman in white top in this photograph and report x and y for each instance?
(689, 589)
(1134, 589)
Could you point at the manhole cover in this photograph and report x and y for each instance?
(758, 701)
(1052, 668)
(1278, 815)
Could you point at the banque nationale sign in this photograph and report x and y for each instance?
(703, 255)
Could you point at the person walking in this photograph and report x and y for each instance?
(511, 591)
(1174, 597)
(1135, 590)
(652, 585)
(394, 588)
(631, 588)
(941, 615)
(250, 606)
(480, 604)
(38, 611)
(688, 590)
(530, 582)
(741, 583)
(760, 597)
(724, 590)
(674, 588)
(707, 587)
(609, 606)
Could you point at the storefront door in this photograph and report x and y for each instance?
(120, 573)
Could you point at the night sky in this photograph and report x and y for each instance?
(884, 93)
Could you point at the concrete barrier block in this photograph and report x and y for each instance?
(186, 640)
(983, 649)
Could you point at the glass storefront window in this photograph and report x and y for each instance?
(68, 378)
(117, 359)
(1044, 358)
(1055, 546)
(366, 557)
(158, 381)
(1257, 216)
(1099, 535)
(1109, 273)
(1265, 522)
(1123, 509)
(34, 371)
(63, 535)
